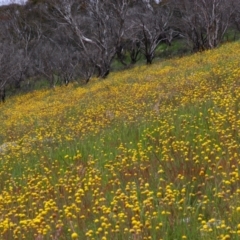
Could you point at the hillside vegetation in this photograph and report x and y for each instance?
(148, 153)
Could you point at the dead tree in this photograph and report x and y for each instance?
(203, 22)
(97, 28)
(2, 94)
(150, 26)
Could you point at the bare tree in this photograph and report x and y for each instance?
(2, 95)
(109, 23)
(46, 61)
(236, 16)
(24, 32)
(9, 67)
(97, 28)
(150, 26)
(203, 22)
(68, 62)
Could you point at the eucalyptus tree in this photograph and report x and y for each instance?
(203, 22)
(150, 25)
(96, 27)
(9, 53)
(9, 67)
(23, 30)
(236, 16)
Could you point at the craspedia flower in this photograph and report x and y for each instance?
(74, 236)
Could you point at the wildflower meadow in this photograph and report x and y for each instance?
(152, 152)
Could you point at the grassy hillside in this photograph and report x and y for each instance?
(149, 153)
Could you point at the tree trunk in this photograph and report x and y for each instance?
(149, 58)
(2, 94)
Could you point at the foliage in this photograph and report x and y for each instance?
(59, 41)
(149, 153)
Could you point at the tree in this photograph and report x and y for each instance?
(23, 31)
(9, 67)
(236, 16)
(97, 28)
(203, 22)
(67, 63)
(8, 52)
(150, 26)
(46, 63)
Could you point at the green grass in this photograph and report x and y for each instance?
(152, 156)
